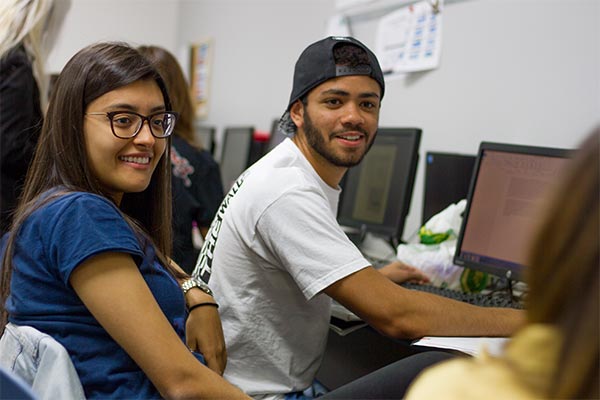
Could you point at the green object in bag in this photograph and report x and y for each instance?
(473, 281)
(428, 237)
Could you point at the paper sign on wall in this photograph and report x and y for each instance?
(409, 39)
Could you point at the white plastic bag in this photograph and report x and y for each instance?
(435, 260)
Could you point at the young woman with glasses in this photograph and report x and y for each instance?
(87, 259)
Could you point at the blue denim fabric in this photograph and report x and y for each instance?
(41, 362)
(312, 392)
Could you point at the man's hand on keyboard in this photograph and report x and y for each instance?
(400, 272)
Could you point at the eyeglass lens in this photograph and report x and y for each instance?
(127, 125)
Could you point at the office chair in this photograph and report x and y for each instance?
(41, 362)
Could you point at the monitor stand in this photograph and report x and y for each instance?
(356, 235)
(370, 244)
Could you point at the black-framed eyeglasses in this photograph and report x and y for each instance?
(127, 124)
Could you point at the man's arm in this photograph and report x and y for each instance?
(406, 314)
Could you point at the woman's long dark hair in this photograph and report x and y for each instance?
(564, 276)
(61, 161)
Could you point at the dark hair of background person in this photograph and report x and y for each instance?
(197, 186)
(181, 100)
(563, 278)
(61, 161)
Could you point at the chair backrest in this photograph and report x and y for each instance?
(40, 361)
(13, 387)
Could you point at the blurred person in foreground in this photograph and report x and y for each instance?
(556, 354)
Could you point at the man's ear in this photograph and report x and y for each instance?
(297, 113)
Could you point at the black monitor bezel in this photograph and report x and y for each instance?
(426, 213)
(517, 271)
(393, 233)
(227, 135)
(275, 136)
(211, 132)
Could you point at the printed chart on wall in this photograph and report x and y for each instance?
(201, 55)
(409, 39)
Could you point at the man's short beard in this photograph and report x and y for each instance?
(315, 139)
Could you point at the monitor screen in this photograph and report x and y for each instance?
(276, 136)
(206, 136)
(447, 178)
(509, 185)
(235, 155)
(376, 194)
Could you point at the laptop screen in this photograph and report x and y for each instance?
(509, 186)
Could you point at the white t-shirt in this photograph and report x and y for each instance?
(274, 245)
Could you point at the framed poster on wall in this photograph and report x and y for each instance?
(201, 60)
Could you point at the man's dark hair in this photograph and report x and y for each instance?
(350, 55)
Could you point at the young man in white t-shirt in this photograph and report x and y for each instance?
(276, 255)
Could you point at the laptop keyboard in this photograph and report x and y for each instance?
(499, 299)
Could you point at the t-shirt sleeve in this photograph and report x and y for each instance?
(81, 226)
(302, 232)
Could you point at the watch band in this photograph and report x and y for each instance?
(195, 282)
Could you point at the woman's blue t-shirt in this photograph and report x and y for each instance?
(51, 243)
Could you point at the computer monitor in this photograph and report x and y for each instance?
(235, 154)
(276, 136)
(509, 186)
(206, 137)
(447, 179)
(376, 193)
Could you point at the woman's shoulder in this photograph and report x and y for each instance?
(59, 198)
(469, 378)
(74, 214)
(58, 204)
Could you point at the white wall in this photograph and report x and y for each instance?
(135, 21)
(521, 71)
(517, 71)
(256, 44)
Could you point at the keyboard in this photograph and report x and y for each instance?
(499, 299)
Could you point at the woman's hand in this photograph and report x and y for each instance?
(400, 272)
(204, 334)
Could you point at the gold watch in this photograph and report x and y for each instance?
(195, 282)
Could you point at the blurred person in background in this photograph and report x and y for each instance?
(197, 186)
(27, 31)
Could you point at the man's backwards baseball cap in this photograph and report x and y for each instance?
(317, 65)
